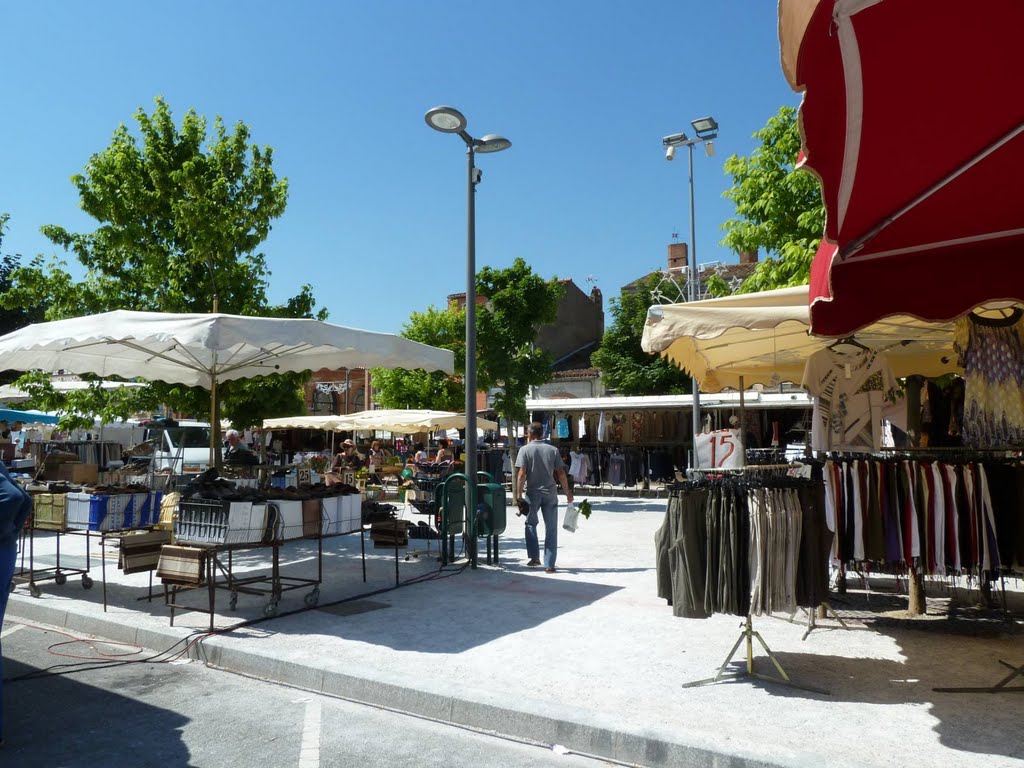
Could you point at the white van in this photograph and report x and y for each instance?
(184, 446)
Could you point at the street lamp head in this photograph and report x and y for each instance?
(704, 126)
(709, 148)
(446, 119)
(670, 152)
(492, 142)
(674, 140)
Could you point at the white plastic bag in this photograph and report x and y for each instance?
(571, 516)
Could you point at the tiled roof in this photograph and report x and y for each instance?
(577, 373)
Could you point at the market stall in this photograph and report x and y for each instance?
(202, 350)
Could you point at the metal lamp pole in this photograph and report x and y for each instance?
(706, 129)
(450, 120)
(692, 290)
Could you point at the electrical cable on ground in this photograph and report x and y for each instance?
(194, 641)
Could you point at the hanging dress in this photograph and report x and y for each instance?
(991, 352)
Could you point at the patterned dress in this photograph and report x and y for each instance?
(991, 351)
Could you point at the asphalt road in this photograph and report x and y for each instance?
(70, 703)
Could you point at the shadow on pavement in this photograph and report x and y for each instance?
(108, 729)
(954, 646)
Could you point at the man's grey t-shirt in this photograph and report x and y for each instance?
(540, 460)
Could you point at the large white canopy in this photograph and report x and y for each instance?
(328, 423)
(199, 349)
(394, 420)
(763, 337)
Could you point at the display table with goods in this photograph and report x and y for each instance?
(214, 520)
(63, 509)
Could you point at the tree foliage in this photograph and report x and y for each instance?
(518, 303)
(181, 214)
(779, 210)
(624, 366)
(11, 319)
(399, 388)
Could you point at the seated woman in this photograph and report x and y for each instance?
(348, 460)
(377, 454)
(421, 454)
(443, 451)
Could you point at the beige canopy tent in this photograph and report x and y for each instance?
(329, 423)
(393, 420)
(762, 338)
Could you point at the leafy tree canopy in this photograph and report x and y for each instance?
(625, 367)
(398, 388)
(181, 214)
(518, 303)
(16, 317)
(779, 210)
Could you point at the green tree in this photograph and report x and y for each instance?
(181, 215)
(518, 303)
(399, 388)
(624, 366)
(779, 210)
(16, 317)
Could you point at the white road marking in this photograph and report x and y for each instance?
(11, 629)
(309, 755)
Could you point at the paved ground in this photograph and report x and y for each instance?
(591, 659)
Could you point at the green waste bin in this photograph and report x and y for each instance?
(490, 520)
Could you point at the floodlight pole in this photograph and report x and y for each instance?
(692, 296)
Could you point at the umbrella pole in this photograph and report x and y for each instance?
(214, 426)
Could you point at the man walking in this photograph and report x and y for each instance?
(540, 465)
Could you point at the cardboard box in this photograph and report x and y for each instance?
(76, 472)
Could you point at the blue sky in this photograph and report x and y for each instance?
(376, 217)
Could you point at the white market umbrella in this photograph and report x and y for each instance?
(764, 338)
(329, 423)
(409, 420)
(203, 349)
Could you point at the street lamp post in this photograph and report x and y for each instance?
(450, 120)
(706, 129)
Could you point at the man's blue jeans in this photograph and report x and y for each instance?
(547, 505)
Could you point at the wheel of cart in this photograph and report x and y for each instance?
(312, 597)
(233, 601)
(86, 581)
(34, 589)
(270, 609)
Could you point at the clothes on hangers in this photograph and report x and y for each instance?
(848, 391)
(991, 351)
(743, 546)
(950, 516)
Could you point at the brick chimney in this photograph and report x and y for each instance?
(748, 257)
(677, 256)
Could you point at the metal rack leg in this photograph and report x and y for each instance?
(362, 548)
(1001, 687)
(748, 634)
(103, 567)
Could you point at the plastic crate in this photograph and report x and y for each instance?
(89, 512)
(137, 508)
(147, 513)
(290, 516)
(202, 521)
(49, 511)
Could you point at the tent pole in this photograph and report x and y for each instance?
(743, 417)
